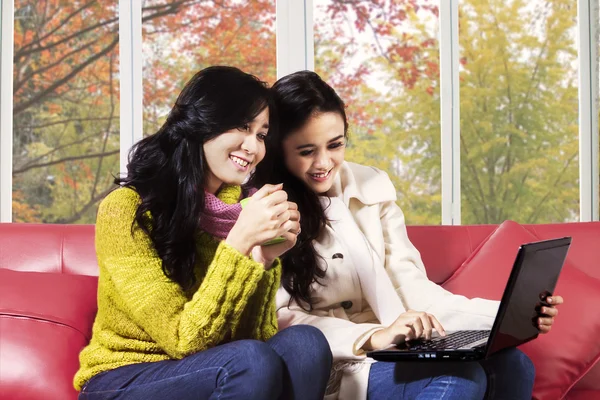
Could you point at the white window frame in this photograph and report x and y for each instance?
(130, 74)
(587, 32)
(6, 107)
(294, 36)
(450, 112)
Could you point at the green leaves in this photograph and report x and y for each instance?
(518, 106)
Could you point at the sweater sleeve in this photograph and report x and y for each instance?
(180, 326)
(259, 319)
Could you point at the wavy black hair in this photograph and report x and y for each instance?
(299, 97)
(168, 169)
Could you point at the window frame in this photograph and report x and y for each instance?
(6, 107)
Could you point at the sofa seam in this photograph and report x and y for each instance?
(43, 320)
(471, 249)
(590, 366)
(62, 255)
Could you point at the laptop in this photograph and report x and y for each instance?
(533, 278)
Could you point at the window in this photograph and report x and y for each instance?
(180, 40)
(515, 69)
(383, 60)
(66, 108)
(519, 111)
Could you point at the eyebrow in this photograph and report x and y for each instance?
(312, 145)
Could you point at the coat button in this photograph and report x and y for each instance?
(337, 255)
(346, 304)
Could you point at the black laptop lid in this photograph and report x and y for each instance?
(533, 277)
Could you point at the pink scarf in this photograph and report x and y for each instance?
(221, 211)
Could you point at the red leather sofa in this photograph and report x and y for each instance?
(48, 301)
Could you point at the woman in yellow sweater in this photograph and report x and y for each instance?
(186, 290)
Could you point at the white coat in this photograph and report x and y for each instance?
(341, 311)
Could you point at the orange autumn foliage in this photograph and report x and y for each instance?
(66, 69)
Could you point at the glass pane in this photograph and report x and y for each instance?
(66, 108)
(179, 40)
(519, 111)
(383, 59)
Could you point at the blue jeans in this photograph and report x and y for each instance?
(293, 364)
(508, 375)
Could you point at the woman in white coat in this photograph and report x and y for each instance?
(354, 273)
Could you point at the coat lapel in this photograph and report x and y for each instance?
(363, 191)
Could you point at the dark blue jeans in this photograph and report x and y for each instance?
(294, 364)
(508, 375)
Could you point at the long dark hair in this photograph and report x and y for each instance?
(168, 169)
(298, 97)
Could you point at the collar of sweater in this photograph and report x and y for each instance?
(229, 194)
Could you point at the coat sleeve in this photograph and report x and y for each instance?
(404, 266)
(345, 337)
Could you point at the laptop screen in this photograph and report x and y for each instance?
(533, 277)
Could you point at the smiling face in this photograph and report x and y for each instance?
(232, 155)
(315, 152)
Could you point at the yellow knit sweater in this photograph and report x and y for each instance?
(144, 317)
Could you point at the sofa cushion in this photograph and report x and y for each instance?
(489, 265)
(586, 236)
(48, 248)
(453, 244)
(574, 349)
(582, 395)
(591, 380)
(45, 321)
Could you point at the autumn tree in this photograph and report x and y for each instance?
(518, 95)
(205, 33)
(383, 59)
(66, 88)
(518, 105)
(519, 112)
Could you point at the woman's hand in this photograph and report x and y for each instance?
(266, 216)
(267, 254)
(548, 313)
(409, 326)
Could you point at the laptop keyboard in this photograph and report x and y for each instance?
(454, 340)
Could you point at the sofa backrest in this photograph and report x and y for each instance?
(583, 253)
(57, 248)
(444, 248)
(70, 248)
(48, 289)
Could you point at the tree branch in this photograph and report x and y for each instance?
(49, 46)
(62, 160)
(86, 207)
(54, 150)
(60, 122)
(536, 210)
(27, 77)
(20, 107)
(39, 39)
(108, 125)
(475, 175)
